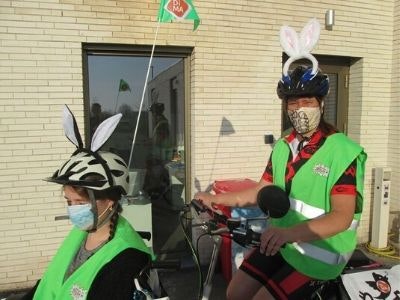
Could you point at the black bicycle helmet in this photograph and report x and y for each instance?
(302, 82)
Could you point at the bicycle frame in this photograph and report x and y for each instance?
(218, 226)
(246, 237)
(211, 269)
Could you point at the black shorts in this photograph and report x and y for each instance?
(278, 277)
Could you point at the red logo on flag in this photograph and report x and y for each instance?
(178, 8)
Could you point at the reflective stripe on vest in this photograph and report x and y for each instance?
(323, 255)
(312, 212)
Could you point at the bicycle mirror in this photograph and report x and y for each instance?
(273, 201)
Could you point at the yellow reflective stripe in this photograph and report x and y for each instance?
(323, 255)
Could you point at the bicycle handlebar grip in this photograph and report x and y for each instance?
(217, 215)
(254, 237)
(246, 237)
(198, 206)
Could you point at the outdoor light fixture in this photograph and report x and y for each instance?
(269, 139)
(329, 19)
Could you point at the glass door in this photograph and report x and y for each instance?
(114, 84)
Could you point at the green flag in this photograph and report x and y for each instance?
(178, 9)
(123, 86)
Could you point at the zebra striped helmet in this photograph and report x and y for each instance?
(90, 168)
(96, 171)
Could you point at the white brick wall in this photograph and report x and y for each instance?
(235, 67)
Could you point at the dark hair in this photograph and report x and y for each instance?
(326, 127)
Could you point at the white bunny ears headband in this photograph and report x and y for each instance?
(100, 136)
(300, 47)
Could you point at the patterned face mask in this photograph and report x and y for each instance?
(305, 119)
(81, 216)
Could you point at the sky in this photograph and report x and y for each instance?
(105, 73)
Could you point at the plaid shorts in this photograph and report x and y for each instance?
(278, 277)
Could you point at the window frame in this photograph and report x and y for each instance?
(105, 49)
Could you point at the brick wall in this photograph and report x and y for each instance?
(394, 129)
(394, 149)
(235, 67)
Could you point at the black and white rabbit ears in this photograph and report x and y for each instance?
(300, 47)
(100, 136)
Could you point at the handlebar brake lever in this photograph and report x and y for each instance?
(217, 215)
(246, 238)
(198, 206)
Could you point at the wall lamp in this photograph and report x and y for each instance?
(329, 19)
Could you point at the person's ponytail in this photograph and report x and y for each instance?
(114, 221)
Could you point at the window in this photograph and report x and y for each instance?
(114, 81)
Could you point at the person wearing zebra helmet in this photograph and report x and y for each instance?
(102, 254)
(94, 171)
(322, 172)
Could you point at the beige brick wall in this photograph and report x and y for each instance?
(235, 67)
(394, 135)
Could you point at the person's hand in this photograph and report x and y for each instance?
(205, 198)
(272, 239)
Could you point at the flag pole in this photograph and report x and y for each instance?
(116, 102)
(143, 93)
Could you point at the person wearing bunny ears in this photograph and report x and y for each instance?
(322, 171)
(102, 254)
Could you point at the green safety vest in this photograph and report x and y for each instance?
(76, 286)
(310, 198)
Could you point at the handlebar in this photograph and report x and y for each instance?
(216, 215)
(217, 225)
(233, 228)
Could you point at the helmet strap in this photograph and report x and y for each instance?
(92, 199)
(108, 217)
(96, 223)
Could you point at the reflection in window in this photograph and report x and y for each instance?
(157, 168)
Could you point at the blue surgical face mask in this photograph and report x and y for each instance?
(81, 216)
